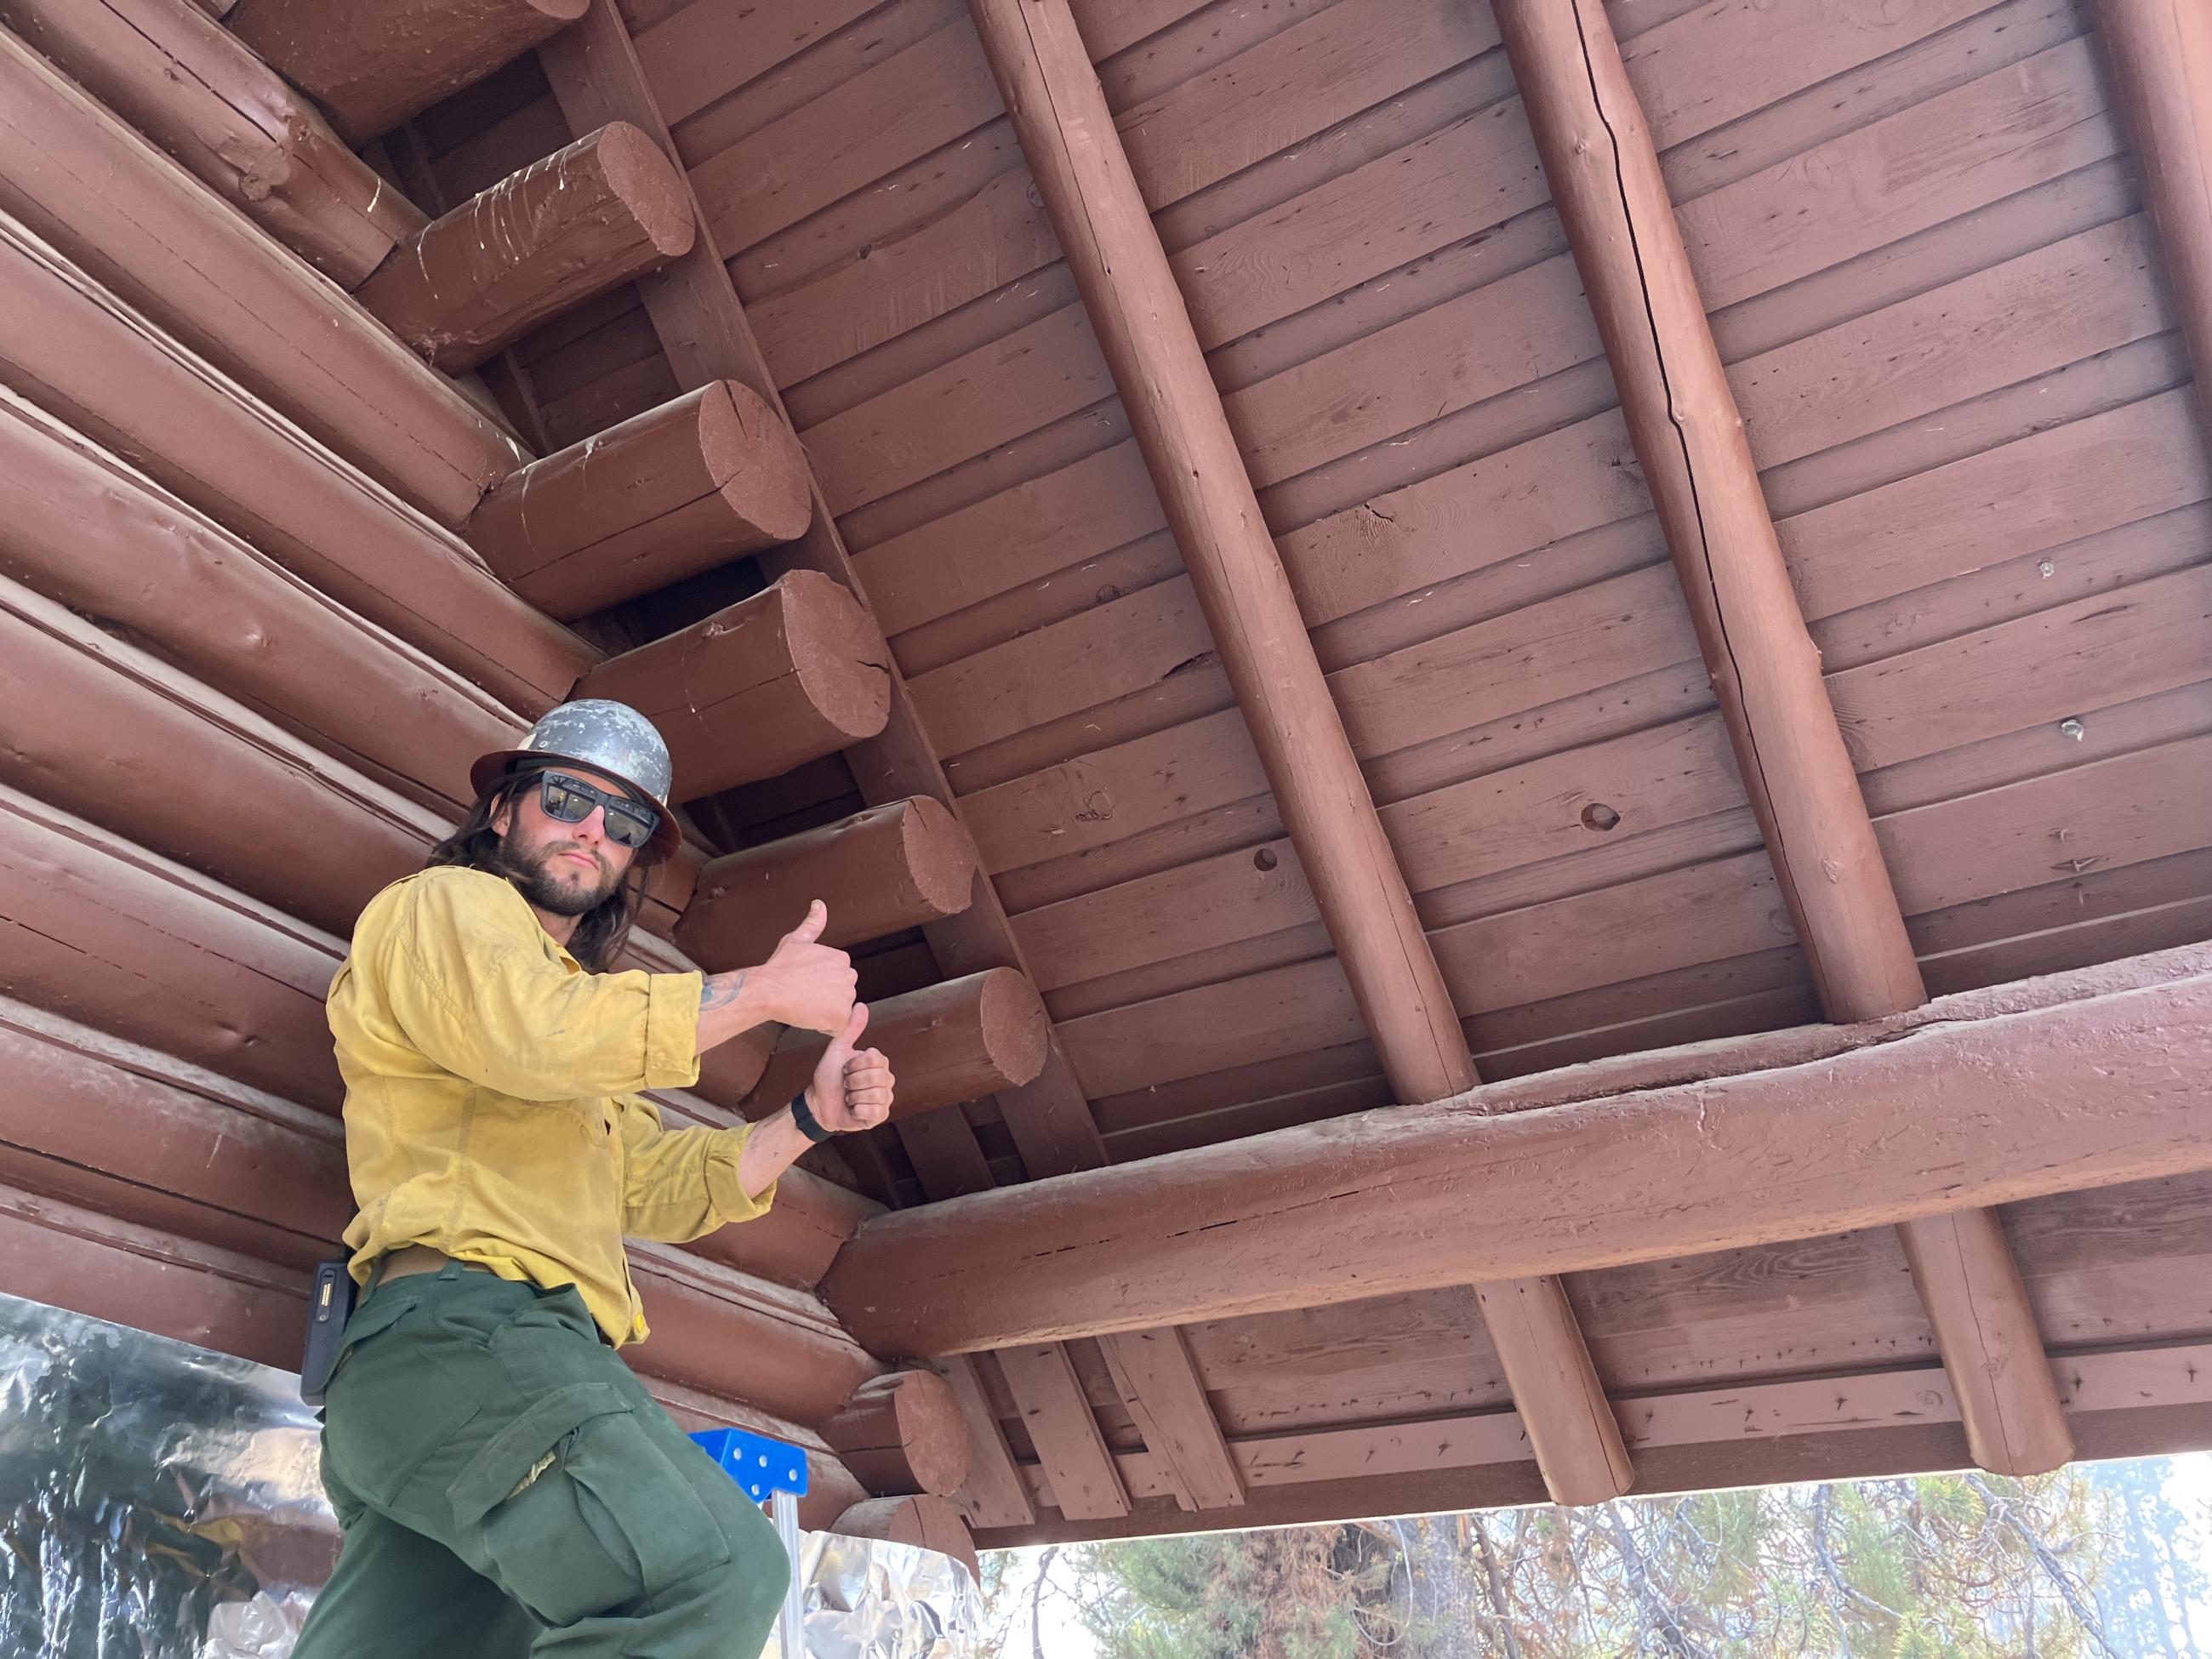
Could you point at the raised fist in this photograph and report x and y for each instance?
(851, 1088)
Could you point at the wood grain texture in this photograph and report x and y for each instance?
(1669, 1163)
(119, 209)
(569, 227)
(2160, 54)
(193, 88)
(1084, 1483)
(372, 66)
(702, 327)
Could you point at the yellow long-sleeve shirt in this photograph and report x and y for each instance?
(490, 1110)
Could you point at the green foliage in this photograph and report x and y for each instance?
(2094, 1562)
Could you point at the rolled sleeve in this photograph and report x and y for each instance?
(672, 1031)
(732, 1202)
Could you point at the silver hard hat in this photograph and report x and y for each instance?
(608, 738)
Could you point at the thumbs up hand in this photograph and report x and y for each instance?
(851, 1089)
(811, 984)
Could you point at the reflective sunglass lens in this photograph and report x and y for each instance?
(627, 829)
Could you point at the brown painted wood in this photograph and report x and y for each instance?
(115, 206)
(902, 1433)
(78, 353)
(195, 89)
(119, 939)
(666, 494)
(1891, 1421)
(370, 66)
(954, 1041)
(1131, 301)
(1603, 167)
(68, 1257)
(722, 1331)
(993, 1494)
(2160, 55)
(790, 674)
(702, 328)
(1889, 1130)
(1157, 1376)
(879, 870)
(1085, 1484)
(122, 737)
(86, 530)
(928, 1523)
(585, 219)
(1054, 98)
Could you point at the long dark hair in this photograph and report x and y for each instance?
(601, 931)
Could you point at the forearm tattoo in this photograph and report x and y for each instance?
(719, 990)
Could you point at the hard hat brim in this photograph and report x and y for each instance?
(667, 833)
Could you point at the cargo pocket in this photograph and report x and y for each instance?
(578, 1513)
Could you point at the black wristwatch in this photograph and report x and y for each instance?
(809, 1125)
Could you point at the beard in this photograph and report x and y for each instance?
(556, 891)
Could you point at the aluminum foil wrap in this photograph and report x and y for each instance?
(162, 1502)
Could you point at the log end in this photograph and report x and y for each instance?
(928, 1523)
(1015, 1026)
(752, 454)
(940, 858)
(646, 182)
(903, 1433)
(841, 655)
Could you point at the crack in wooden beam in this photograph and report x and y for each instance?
(2091, 1079)
(1603, 168)
(1145, 331)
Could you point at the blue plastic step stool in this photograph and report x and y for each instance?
(772, 1472)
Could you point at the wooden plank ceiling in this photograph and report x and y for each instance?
(1923, 244)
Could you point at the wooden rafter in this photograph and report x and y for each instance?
(2161, 52)
(2091, 1079)
(696, 311)
(1144, 327)
(1603, 169)
(2132, 1402)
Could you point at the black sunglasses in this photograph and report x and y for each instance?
(570, 801)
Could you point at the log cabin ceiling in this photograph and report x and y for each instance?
(1936, 266)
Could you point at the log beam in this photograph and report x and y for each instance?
(371, 63)
(195, 89)
(956, 1041)
(928, 1522)
(1603, 168)
(2160, 54)
(902, 1433)
(774, 681)
(105, 730)
(83, 528)
(79, 353)
(679, 489)
(113, 205)
(887, 868)
(588, 218)
(1120, 268)
(2084, 1080)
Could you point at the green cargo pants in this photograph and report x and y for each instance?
(507, 1487)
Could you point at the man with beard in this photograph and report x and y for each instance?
(505, 1485)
